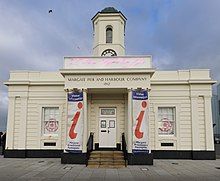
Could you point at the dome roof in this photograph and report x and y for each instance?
(109, 10)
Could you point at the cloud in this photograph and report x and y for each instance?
(179, 34)
(188, 35)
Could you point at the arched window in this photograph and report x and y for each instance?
(108, 35)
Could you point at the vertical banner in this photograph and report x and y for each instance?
(75, 122)
(140, 121)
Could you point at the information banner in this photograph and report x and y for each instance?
(75, 122)
(140, 121)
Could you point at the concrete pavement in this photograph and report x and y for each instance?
(51, 169)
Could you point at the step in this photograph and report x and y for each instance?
(93, 163)
(119, 157)
(94, 158)
(119, 162)
(93, 166)
(107, 152)
(107, 166)
(112, 166)
(106, 159)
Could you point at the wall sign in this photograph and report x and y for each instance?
(140, 121)
(107, 81)
(75, 122)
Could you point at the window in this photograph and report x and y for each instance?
(107, 111)
(166, 120)
(103, 123)
(112, 124)
(50, 120)
(108, 35)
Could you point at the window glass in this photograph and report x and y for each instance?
(107, 111)
(166, 120)
(112, 124)
(50, 120)
(109, 35)
(103, 123)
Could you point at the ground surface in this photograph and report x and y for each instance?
(51, 169)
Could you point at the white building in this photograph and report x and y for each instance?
(163, 114)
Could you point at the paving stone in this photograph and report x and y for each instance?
(51, 169)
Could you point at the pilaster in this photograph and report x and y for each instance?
(129, 125)
(10, 123)
(208, 124)
(85, 126)
(23, 123)
(195, 123)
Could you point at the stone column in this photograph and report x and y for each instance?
(208, 124)
(129, 125)
(85, 127)
(10, 123)
(195, 123)
(23, 124)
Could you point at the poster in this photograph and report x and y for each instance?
(75, 122)
(140, 121)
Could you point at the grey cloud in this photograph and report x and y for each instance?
(179, 34)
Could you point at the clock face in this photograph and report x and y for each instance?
(109, 53)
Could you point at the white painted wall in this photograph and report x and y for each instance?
(189, 91)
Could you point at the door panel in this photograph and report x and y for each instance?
(107, 129)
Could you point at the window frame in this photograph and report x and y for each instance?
(106, 37)
(43, 121)
(173, 121)
(166, 138)
(41, 125)
(51, 138)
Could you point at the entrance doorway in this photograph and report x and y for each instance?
(107, 127)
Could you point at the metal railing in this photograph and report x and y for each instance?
(89, 147)
(124, 149)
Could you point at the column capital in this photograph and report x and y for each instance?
(129, 89)
(85, 90)
(207, 96)
(194, 97)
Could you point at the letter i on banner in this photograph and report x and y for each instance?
(140, 121)
(75, 122)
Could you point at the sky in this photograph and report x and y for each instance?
(179, 34)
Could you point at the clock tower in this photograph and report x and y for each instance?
(109, 33)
